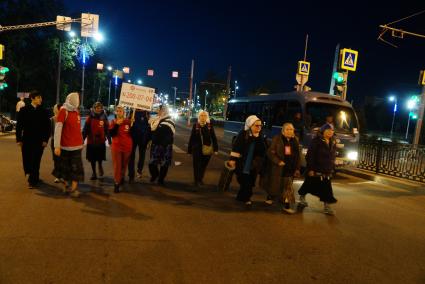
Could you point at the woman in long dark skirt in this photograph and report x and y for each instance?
(248, 154)
(161, 154)
(96, 130)
(320, 166)
(202, 134)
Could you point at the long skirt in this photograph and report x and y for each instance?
(161, 155)
(96, 152)
(320, 187)
(71, 165)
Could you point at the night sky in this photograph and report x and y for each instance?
(262, 41)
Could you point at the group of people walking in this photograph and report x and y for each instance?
(276, 164)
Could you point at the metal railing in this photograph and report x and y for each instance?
(400, 160)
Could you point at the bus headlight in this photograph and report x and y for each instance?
(352, 155)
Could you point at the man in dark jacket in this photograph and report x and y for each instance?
(32, 135)
(140, 135)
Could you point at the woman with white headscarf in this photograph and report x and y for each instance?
(247, 156)
(202, 144)
(162, 129)
(69, 143)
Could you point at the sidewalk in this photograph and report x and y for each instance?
(384, 179)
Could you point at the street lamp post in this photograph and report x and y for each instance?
(175, 92)
(393, 99)
(110, 83)
(236, 87)
(205, 104)
(411, 104)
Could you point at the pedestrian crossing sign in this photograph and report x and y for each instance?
(349, 59)
(422, 78)
(303, 68)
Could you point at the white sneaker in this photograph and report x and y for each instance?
(57, 180)
(289, 210)
(328, 210)
(269, 202)
(75, 193)
(248, 203)
(303, 202)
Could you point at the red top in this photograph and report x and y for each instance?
(97, 132)
(121, 141)
(71, 130)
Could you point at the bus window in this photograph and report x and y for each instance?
(344, 119)
(279, 113)
(267, 116)
(236, 112)
(293, 108)
(256, 109)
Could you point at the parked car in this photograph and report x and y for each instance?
(6, 124)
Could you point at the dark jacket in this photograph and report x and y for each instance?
(321, 156)
(240, 151)
(141, 127)
(277, 152)
(33, 125)
(164, 135)
(208, 137)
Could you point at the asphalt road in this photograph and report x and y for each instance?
(153, 234)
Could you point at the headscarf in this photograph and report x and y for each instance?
(208, 117)
(250, 121)
(72, 102)
(154, 122)
(325, 127)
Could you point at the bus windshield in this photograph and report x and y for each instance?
(343, 118)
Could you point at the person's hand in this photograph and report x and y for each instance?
(19, 144)
(57, 151)
(216, 153)
(310, 173)
(44, 144)
(231, 164)
(297, 173)
(281, 163)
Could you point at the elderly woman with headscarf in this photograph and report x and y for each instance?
(248, 153)
(284, 164)
(320, 166)
(202, 144)
(69, 143)
(96, 130)
(162, 135)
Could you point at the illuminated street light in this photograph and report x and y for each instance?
(139, 82)
(393, 99)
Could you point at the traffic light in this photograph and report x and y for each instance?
(413, 115)
(3, 71)
(339, 83)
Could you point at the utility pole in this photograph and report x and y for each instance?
(175, 92)
(59, 73)
(229, 78)
(420, 118)
(190, 93)
(334, 69)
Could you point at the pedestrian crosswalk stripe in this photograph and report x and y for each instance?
(178, 150)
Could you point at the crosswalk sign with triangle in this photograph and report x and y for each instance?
(349, 59)
(303, 68)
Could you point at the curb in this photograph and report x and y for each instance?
(386, 180)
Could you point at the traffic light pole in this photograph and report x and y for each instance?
(344, 93)
(420, 118)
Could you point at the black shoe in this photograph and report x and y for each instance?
(153, 179)
(201, 182)
(161, 182)
(117, 188)
(93, 177)
(122, 181)
(101, 171)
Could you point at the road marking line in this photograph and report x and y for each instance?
(178, 150)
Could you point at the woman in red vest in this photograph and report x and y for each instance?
(96, 130)
(120, 131)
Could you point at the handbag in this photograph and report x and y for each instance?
(207, 150)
